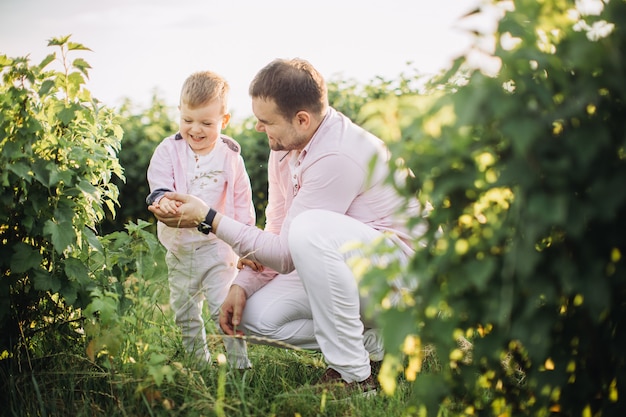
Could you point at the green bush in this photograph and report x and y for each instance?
(524, 255)
(58, 158)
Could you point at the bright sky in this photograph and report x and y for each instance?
(143, 46)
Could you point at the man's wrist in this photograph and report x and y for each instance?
(202, 217)
(206, 225)
(240, 288)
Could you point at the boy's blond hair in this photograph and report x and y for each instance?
(203, 87)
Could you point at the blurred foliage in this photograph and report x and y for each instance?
(524, 252)
(349, 96)
(255, 152)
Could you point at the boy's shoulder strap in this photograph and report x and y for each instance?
(232, 145)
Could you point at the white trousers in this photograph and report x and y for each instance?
(319, 306)
(201, 273)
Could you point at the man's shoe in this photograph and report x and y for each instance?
(375, 365)
(329, 377)
(367, 387)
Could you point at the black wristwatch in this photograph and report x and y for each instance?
(207, 225)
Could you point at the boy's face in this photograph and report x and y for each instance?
(201, 126)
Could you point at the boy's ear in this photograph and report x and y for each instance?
(225, 120)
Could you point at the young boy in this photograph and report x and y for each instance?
(199, 160)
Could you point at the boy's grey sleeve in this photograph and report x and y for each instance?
(156, 195)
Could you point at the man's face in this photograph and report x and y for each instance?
(282, 134)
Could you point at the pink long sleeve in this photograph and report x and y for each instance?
(333, 172)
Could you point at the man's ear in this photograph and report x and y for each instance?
(303, 119)
(225, 120)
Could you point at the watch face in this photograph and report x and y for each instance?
(204, 228)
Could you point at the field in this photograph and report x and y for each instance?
(136, 368)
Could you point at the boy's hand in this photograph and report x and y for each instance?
(168, 206)
(255, 266)
(190, 211)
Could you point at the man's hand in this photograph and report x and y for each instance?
(231, 310)
(187, 210)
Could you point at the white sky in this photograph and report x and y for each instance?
(143, 46)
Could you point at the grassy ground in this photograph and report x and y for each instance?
(131, 365)
(69, 384)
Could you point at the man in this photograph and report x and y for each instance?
(328, 188)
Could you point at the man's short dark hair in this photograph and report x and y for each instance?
(294, 85)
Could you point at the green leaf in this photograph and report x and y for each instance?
(24, 257)
(35, 128)
(431, 390)
(45, 281)
(76, 270)
(62, 235)
(157, 359)
(74, 46)
(41, 169)
(75, 80)
(87, 188)
(66, 177)
(45, 88)
(65, 211)
(396, 325)
(93, 240)
(58, 41)
(66, 115)
(48, 59)
(81, 65)
(5, 61)
(20, 169)
(69, 293)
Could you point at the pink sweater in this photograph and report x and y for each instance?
(333, 172)
(168, 171)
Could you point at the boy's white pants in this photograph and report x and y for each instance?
(200, 273)
(319, 306)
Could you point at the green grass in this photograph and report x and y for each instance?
(137, 369)
(69, 384)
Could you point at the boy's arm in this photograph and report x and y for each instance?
(160, 173)
(156, 195)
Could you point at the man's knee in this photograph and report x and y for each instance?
(308, 222)
(305, 231)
